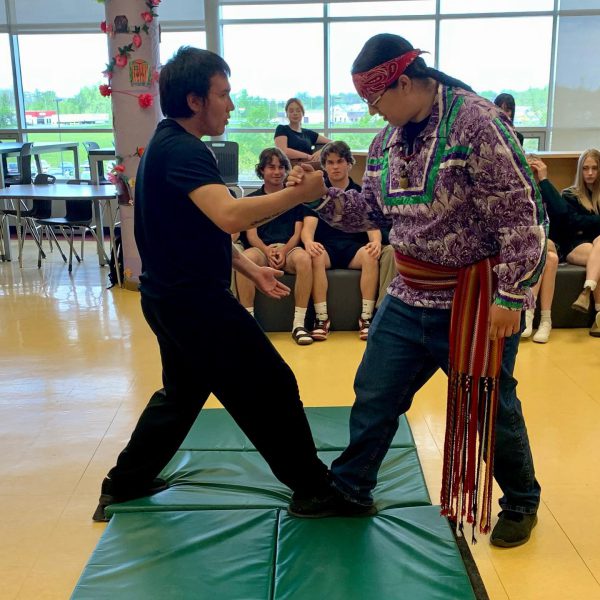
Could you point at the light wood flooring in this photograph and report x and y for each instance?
(78, 364)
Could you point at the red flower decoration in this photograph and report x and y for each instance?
(103, 26)
(145, 100)
(105, 90)
(119, 168)
(121, 60)
(147, 16)
(155, 2)
(137, 40)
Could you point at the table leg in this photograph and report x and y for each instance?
(76, 162)
(18, 207)
(100, 232)
(113, 246)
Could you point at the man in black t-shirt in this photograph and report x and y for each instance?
(184, 214)
(276, 244)
(332, 248)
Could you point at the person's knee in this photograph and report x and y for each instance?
(552, 260)
(302, 262)
(255, 255)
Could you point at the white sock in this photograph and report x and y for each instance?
(250, 309)
(321, 311)
(299, 317)
(590, 283)
(545, 316)
(367, 309)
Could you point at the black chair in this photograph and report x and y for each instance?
(227, 155)
(79, 215)
(40, 209)
(24, 166)
(94, 146)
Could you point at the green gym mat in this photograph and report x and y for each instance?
(267, 555)
(401, 553)
(239, 480)
(191, 555)
(215, 429)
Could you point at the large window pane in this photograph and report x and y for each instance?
(522, 69)
(576, 123)
(251, 145)
(8, 113)
(271, 11)
(346, 41)
(262, 78)
(61, 75)
(494, 6)
(396, 9)
(171, 41)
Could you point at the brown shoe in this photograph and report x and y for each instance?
(584, 301)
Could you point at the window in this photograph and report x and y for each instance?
(8, 113)
(264, 78)
(171, 41)
(74, 65)
(499, 65)
(347, 110)
(397, 9)
(271, 11)
(495, 6)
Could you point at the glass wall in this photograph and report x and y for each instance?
(8, 112)
(309, 50)
(541, 51)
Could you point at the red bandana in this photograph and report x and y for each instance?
(372, 83)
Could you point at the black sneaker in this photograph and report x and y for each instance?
(107, 496)
(512, 529)
(332, 504)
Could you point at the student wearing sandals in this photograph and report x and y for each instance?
(276, 244)
(332, 248)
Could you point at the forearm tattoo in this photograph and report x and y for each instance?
(266, 219)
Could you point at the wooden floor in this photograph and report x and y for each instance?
(78, 364)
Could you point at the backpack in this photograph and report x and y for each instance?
(116, 263)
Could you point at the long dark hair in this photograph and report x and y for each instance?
(385, 46)
(507, 100)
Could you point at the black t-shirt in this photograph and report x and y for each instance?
(181, 249)
(280, 229)
(302, 141)
(330, 236)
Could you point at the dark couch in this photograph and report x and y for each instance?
(344, 302)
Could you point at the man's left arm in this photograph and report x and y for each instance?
(510, 202)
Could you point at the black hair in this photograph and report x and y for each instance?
(507, 100)
(385, 46)
(340, 148)
(266, 156)
(189, 71)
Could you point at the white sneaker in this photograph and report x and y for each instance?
(528, 323)
(543, 333)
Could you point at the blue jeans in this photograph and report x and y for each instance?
(406, 346)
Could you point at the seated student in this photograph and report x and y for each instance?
(276, 244)
(295, 141)
(506, 103)
(583, 198)
(332, 248)
(557, 211)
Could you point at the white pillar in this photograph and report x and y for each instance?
(133, 49)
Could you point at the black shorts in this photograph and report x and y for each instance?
(341, 256)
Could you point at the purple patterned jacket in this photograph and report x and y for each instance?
(467, 194)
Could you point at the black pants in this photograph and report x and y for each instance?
(212, 344)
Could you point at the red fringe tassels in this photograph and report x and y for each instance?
(474, 368)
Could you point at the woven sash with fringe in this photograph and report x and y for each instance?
(474, 369)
